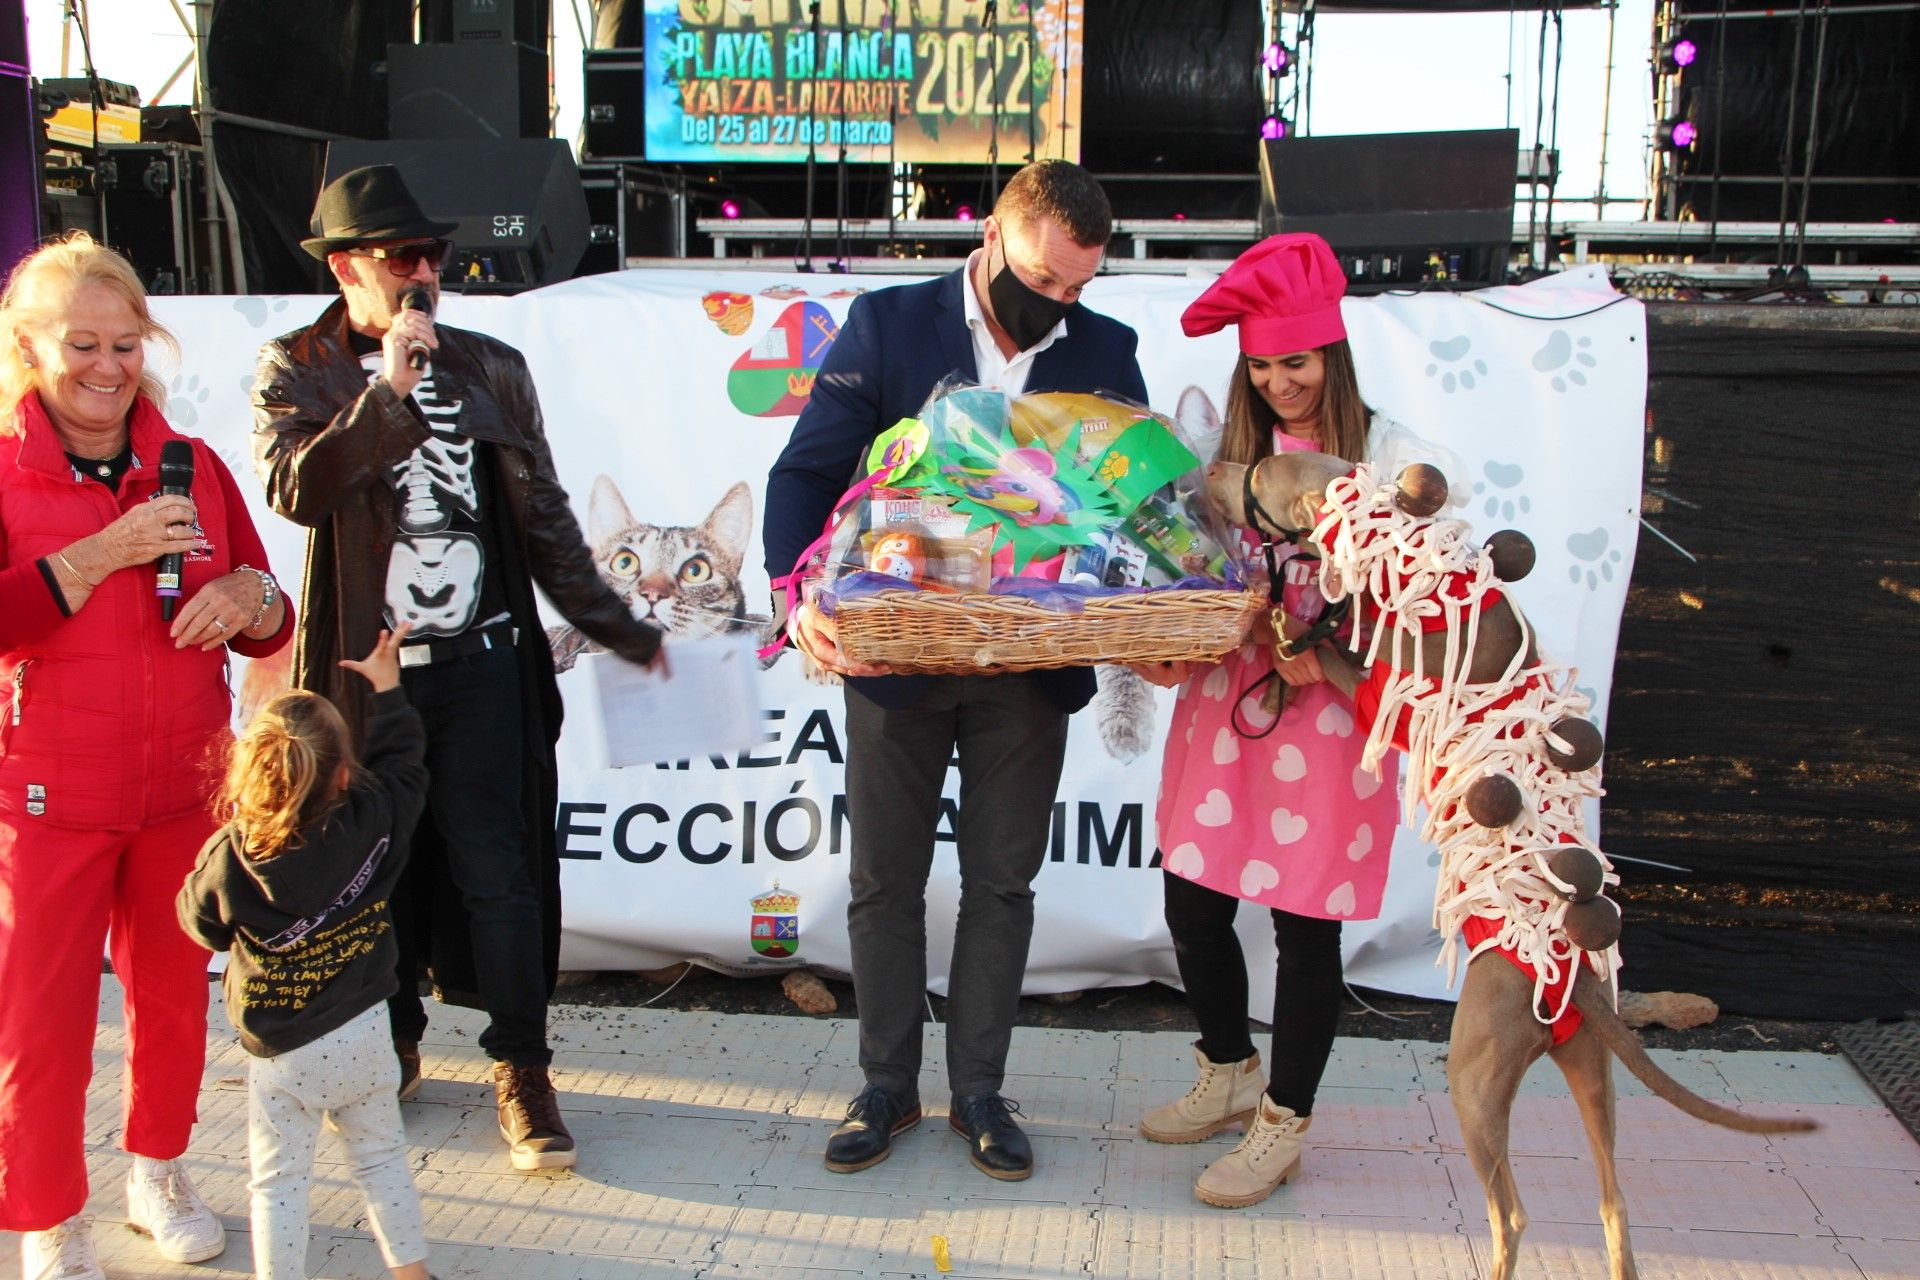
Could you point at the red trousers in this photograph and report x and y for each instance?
(63, 893)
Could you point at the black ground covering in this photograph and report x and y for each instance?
(1765, 721)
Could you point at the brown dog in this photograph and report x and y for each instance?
(1496, 1033)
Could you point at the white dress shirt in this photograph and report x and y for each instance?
(995, 369)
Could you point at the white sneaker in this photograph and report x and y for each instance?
(64, 1252)
(162, 1203)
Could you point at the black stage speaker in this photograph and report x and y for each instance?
(488, 90)
(155, 197)
(520, 211)
(1406, 197)
(510, 21)
(635, 212)
(615, 125)
(20, 179)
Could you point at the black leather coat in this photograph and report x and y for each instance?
(325, 442)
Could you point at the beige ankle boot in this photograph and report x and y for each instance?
(1268, 1156)
(1225, 1095)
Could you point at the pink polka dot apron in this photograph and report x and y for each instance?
(1289, 820)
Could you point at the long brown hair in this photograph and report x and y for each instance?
(282, 771)
(1246, 435)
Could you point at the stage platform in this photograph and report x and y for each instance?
(701, 1137)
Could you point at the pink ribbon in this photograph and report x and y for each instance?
(791, 581)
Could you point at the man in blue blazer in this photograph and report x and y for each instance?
(1010, 319)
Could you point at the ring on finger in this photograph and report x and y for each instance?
(219, 624)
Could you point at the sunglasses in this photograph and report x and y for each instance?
(404, 259)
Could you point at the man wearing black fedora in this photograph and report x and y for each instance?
(413, 454)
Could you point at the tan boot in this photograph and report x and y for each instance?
(1225, 1095)
(1268, 1156)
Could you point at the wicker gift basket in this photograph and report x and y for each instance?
(998, 533)
(924, 632)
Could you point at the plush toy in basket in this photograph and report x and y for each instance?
(1013, 533)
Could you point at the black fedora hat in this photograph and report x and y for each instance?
(365, 205)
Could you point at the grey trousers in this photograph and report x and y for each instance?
(1011, 741)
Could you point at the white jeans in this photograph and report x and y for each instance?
(350, 1077)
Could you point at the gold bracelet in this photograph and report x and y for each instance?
(61, 557)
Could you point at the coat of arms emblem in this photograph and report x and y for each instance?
(775, 931)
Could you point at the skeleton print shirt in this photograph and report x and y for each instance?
(444, 573)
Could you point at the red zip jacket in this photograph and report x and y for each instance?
(103, 723)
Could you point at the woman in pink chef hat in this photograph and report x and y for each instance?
(1289, 820)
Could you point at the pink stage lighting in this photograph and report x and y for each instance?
(963, 214)
(1276, 59)
(729, 208)
(1273, 127)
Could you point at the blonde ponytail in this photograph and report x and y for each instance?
(282, 773)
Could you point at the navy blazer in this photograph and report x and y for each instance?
(895, 347)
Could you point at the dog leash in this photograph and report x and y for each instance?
(1272, 533)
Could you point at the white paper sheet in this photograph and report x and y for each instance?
(708, 705)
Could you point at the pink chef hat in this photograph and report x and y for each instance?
(1284, 293)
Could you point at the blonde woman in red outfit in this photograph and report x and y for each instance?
(112, 728)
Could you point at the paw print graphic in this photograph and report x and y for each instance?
(186, 396)
(1453, 352)
(1502, 476)
(1114, 468)
(1598, 560)
(1565, 359)
(257, 311)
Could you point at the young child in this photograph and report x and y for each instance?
(295, 889)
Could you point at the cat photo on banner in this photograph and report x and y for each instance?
(685, 579)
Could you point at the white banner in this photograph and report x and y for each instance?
(668, 394)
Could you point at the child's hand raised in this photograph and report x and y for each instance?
(382, 666)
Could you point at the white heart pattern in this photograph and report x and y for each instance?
(1365, 782)
(1186, 861)
(1215, 811)
(1342, 902)
(1216, 684)
(1362, 844)
(1256, 878)
(1288, 826)
(1289, 763)
(1226, 747)
(1335, 720)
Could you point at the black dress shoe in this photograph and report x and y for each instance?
(998, 1146)
(865, 1137)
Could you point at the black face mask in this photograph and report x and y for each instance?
(1027, 316)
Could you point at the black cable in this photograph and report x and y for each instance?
(97, 101)
(840, 175)
(813, 121)
(1553, 125)
(1786, 141)
(1539, 111)
(1033, 108)
(990, 28)
(1719, 132)
(1813, 129)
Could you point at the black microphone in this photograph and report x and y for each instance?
(415, 298)
(176, 478)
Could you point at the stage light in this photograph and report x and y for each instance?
(729, 208)
(963, 213)
(1273, 127)
(1676, 135)
(1677, 55)
(1276, 59)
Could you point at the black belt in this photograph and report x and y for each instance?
(421, 653)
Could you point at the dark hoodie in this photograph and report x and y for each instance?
(308, 933)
